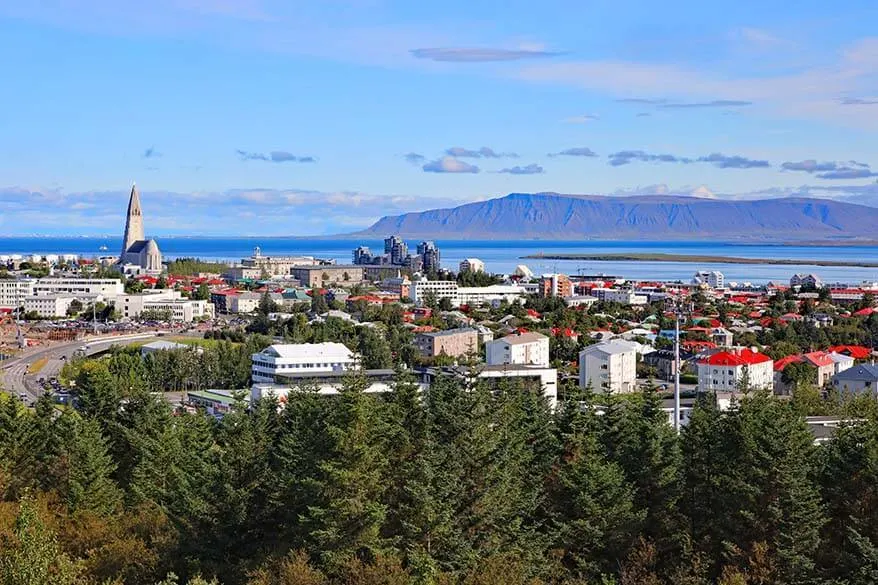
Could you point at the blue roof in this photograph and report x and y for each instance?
(866, 372)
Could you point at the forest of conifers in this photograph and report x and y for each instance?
(459, 484)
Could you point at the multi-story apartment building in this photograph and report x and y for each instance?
(711, 278)
(471, 265)
(622, 296)
(396, 248)
(527, 349)
(736, 370)
(300, 358)
(609, 366)
(493, 295)
(452, 342)
(556, 285)
(430, 257)
(13, 292)
(421, 289)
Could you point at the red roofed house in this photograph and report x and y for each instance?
(858, 352)
(820, 360)
(726, 371)
(864, 312)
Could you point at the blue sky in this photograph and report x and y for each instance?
(309, 117)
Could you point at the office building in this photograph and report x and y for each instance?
(300, 358)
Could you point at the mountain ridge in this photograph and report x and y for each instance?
(645, 217)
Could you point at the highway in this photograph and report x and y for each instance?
(16, 381)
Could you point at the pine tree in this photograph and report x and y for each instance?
(89, 485)
(593, 505)
(347, 519)
(848, 476)
(98, 393)
(295, 465)
(638, 438)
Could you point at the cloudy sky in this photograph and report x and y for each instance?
(319, 116)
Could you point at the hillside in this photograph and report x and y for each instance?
(654, 217)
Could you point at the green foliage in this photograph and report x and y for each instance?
(31, 556)
(194, 266)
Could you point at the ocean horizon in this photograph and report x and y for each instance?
(501, 256)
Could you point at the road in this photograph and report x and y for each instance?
(16, 381)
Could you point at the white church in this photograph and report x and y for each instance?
(139, 255)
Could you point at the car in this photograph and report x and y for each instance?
(23, 396)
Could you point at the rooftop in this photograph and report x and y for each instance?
(325, 350)
(736, 358)
(521, 338)
(866, 372)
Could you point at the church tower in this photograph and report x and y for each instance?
(134, 222)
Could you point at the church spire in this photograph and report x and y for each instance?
(134, 221)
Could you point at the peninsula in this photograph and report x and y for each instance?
(697, 259)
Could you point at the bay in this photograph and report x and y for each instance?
(503, 255)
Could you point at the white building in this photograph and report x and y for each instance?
(301, 358)
(711, 278)
(622, 296)
(48, 306)
(106, 287)
(422, 288)
(132, 306)
(730, 371)
(13, 292)
(609, 366)
(492, 295)
(525, 349)
(585, 301)
(806, 280)
(471, 265)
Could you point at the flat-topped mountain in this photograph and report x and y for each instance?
(650, 217)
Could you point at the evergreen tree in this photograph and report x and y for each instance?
(347, 518)
(89, 484)
(98, 392)
(593, 513)
(848, 476)
(639, 439)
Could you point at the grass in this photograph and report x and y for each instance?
(197, 341)
(35, 367)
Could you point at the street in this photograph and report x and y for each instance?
(16, 381)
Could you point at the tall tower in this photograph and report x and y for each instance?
(134, 222)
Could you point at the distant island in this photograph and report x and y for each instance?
(553, 216)
(696, 259)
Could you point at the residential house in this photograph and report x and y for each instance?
(530, 349)
(609, 366)
(861, 379)
(664, 362)
(451, 342)
(722, 337)
(731, 370)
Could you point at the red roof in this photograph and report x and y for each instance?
(533, 313)
(736, 358)
(819, 359)
(791, 317)
(565, 332)
(783, 362)
(698, 345)
(864, 312)
(755, 314)
(858, 352)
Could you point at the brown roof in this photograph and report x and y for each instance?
(518, 338)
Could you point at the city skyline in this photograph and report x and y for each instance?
(233, 114)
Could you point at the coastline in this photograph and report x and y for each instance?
(697, 259)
